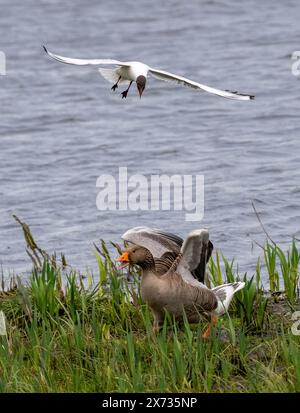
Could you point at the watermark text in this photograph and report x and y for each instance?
(2, 63)
(296, 63)
(154, 192)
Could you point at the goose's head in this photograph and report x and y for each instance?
(141, 84)
(136, 255)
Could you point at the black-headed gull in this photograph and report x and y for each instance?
(138, 72)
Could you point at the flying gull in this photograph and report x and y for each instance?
(138, 72)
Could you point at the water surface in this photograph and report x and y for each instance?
(61, 126)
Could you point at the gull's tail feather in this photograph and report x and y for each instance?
(225, 294)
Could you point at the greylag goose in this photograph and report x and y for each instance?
(138, 72)
(165, 247)
(177, 291)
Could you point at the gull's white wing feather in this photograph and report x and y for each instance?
(162, 75)
(191, 254)
(111, 75)
(84, 62)
(156, 241)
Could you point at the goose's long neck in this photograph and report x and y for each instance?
(148, 263)
(164, 263)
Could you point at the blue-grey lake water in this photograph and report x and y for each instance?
(61, 125)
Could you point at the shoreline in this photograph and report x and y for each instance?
(97, 337)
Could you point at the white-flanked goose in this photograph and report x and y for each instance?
(177, 290)
(138, 72)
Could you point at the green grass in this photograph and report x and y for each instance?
(81, 336)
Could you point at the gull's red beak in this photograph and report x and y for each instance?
(124, 258)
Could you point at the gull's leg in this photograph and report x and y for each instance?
(114, 87)
(124, 94)
(213, 322)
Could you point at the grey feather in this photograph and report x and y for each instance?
(155, 240)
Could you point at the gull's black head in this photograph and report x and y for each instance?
(141, 83)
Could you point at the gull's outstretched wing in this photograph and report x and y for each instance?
(84, 62)
(170, 77)
(156, 241)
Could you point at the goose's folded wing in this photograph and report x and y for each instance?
(84, 62)
(194, 252)
(167, 76)
(156, 241)
(206, 300)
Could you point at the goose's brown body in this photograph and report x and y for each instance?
(169, 276)
(163, 289)
(169, 292)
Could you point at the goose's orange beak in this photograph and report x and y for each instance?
(124, 258)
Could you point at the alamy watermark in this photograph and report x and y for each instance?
(295, 329)
(296, 63)
(154, 193)
(2, 63)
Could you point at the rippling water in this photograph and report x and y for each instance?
(61, 126)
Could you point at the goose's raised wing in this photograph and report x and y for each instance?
(160, 242)
(156, 241)
(84, 62)
(194, 253)
(162, 75)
